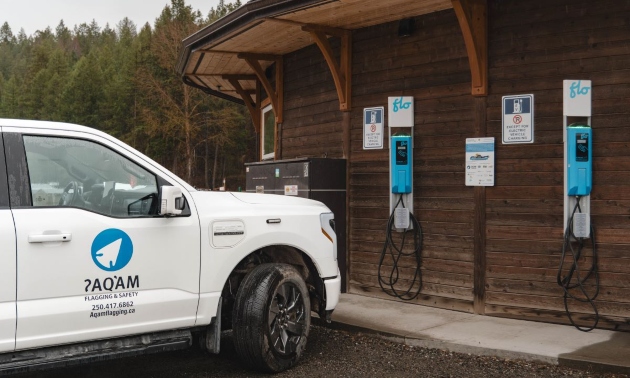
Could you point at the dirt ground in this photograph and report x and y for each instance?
(330, 353)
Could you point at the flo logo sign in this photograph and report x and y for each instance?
(400, 111)
(112, 249)
(577, 98)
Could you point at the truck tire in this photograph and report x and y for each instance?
(271, 318)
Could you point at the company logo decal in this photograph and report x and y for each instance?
(112, 249)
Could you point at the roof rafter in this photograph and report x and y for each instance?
(275, 94)
(473, 20)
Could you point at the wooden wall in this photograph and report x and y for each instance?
(431, 66)
(534, 45)
(312, 120)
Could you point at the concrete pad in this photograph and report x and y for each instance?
(484, 335)
(518, 335)
(392, 317)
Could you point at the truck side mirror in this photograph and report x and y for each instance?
(172, 201)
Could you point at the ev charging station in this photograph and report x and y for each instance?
(578, 160)
(401, 119)
(401, 221)
(578, 182)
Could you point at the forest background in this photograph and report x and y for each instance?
(124, 82)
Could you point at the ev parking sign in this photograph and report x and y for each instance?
(373, 128)
(518, 119)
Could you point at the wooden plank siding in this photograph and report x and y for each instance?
(431, 65)
(533, 46)
(312, 120)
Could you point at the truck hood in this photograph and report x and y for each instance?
(213, 201)
(274, 199)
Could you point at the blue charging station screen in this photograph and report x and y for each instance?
(401, 152)
(581, 147)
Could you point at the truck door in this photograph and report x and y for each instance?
(94, 260)
(7, 263)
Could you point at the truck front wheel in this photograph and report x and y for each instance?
(271, 317)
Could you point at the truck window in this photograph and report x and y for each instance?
(80, 173)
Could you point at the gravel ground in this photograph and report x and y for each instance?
(330, 353)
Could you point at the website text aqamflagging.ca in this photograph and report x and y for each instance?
(99, 314)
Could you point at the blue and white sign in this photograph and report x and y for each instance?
(577, 98)
(518, 119)
(479, 161)
(400, 111)
(112, 249)
(373, 128)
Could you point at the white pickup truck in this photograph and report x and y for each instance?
(105, 253)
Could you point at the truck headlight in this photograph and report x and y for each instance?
(327, 221)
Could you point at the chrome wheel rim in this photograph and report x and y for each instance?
(287, 319)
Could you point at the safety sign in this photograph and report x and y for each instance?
(479, 162)
(290, 190)
(518, 119)
(373, 128)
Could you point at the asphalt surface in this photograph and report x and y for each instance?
(330, 353)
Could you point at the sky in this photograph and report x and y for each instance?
(33, 15)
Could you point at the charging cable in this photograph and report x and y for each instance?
(573, 280)
(397, 253)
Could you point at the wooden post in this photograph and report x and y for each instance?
(347, 125)
(479, 248)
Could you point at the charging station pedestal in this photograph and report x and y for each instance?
(576, 108)
(401, 121)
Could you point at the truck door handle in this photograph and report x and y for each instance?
(43, 238)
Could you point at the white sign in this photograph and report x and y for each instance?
(373, 128)
(518, 119)
(479, 161)
(400, 111)
(577, 98)
(290, 190)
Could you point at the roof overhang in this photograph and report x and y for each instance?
(210, 57)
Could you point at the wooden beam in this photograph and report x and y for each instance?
(280, 103)
(259, 110)
(230, 76)
(251, 104)
(335, 32)
(346, 70)
(473, 20)
(267, 57)
(275, 95)
(342, 70)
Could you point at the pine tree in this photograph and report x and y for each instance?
(125, 83)
(83, 95)
(177, 116)
(9, 102)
